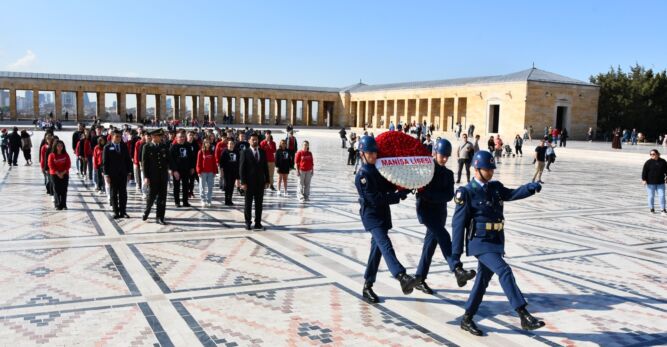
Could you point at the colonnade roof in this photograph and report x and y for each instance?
(532, 74)
(179, 82)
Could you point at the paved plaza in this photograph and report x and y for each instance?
(586, 253)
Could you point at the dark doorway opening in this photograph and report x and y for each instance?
(561, 113)
(494, 118)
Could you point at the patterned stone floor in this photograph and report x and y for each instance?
(588, 256)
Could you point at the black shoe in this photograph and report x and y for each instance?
(273, 188)
(185, 204)
(422, 286)
(161, 221)
(116, 216)
(528, 322)
(258, 227)
(652, 210)
(469, 325)
(125, 215)
(369, 294)
(144, 217)
(248, 227)
(408, 283)
(463, 276)
(178, 204)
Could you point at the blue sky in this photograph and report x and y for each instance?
(329, 43)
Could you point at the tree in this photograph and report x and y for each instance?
(636, 99)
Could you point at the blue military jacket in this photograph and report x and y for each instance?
(432, 200)
(475, 207)
(375, 196)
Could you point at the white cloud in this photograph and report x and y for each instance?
(24, 62)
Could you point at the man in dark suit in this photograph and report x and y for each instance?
(254, 176)
(117, 171)
(155, 163)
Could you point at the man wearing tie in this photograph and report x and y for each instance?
(254, 176)
(117, 172)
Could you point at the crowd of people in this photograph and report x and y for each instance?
(112, 159)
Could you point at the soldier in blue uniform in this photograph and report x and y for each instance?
(375, 196)
(432, 212)
(478, 220)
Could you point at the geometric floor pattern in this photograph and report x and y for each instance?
(586, 254)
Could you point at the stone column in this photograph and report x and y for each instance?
(237, 109)
(177, 107)
(406, 109)
(246, 112)
(320, 114)
(201, 107)
(13, 115)
(35, 102)
(376, 116)
(275, 115)
(59, 104)
(80, 112)
(141, 107)
(418, 115)
(455, 114)
(290, 111)
(360, 118)
(121, 104)
(384, 115)
(160, 106)
(260, 110)
(306, 111)
(101, 110)
(443, 121)
(429, 112)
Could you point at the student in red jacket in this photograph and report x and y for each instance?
(84, 151)
(59, 165)
(43, 158)
(304, 169)
(98, 154)
(136, 161)
(207, 168)
(269, 147)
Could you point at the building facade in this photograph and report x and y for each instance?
(504, 104)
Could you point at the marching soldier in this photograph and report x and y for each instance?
(432, 212)
(375, 196)
(155, 163)
(478, 219)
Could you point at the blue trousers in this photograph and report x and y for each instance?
(436, 235)
(381, 246)
(488, 264)
(651, 189)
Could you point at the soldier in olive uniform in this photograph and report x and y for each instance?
(155, 163)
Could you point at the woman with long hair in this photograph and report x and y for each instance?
(59, 165)
(283, 164)
(98, 154)
(26, 146)
(206, 169)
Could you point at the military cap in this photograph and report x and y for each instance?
(159, 132)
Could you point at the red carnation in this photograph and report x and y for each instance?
(399, 144)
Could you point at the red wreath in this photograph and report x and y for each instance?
(399, 144)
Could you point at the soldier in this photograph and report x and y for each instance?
(375, 196)
(478, 219)
(155, 163)
(432, 212)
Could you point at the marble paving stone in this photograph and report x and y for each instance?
(216, 263)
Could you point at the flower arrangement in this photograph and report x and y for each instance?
(403, 160)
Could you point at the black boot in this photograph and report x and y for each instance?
(469, 325)
(422, 286)
(408, 283)
(528, 322)
(463, 276)
(369, 294)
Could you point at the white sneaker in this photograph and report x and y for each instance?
(53, 198)
(208, 204)
(203, 204)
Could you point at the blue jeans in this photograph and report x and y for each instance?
(651, 189)
(206, 186)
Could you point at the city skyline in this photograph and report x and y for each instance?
(335, 45)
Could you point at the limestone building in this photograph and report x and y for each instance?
(503, 104)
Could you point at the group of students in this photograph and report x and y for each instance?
(14, 142)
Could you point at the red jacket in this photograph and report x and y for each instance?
(59, 162)
(206, 162)
(86, 151)
(304, 160)
(97, 156)
(219, 148)
(136, 158)
(42, 156)
(270, 150)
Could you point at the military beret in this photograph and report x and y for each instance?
(158, 132)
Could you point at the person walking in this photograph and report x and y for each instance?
(26, 147)
(616, 139)
(4, 145)
(343, 137)
(269, 147)
(136, 163)
(589, 135)
(352, 152)
(155, 163)
(292, 147)
(229, 170)
(475, 146)
(563, 137)
(83, 150)
(376, 195)
(304, 170)
(117, 165)
(283, 165)
(491, 144)
(432, 213)
(550, 155)
(654, 177)
(98, 161)
(206, 169)
(539, 159)
(464, 155)
(518, 143)
(14, 142)
(59, 164)
(498, 148)
(479, 222)
(44, 152)
(182, 164)
(254, 176)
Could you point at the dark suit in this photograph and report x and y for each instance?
(117, 165)
(255, 174)
(155, 163)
